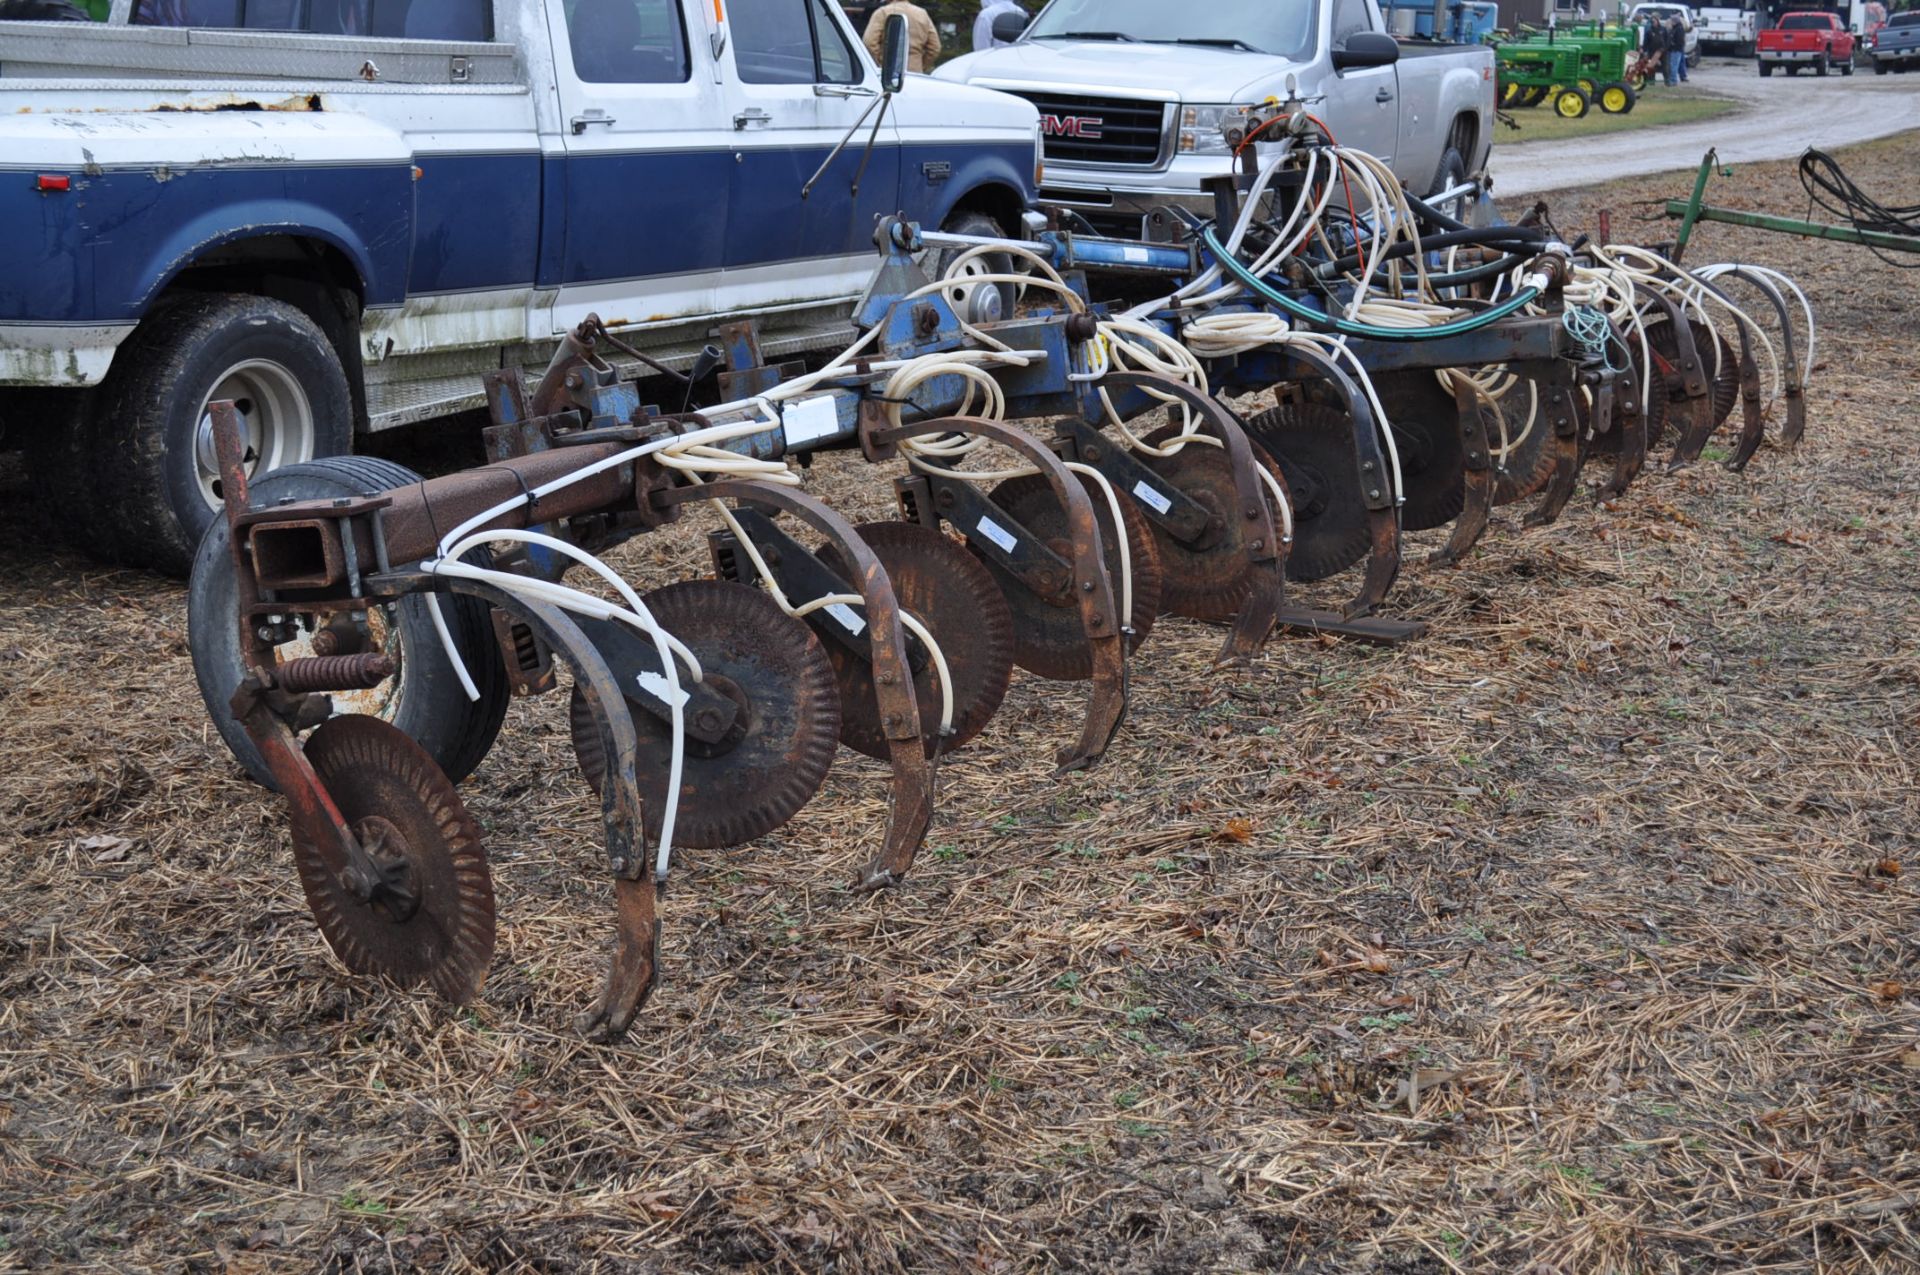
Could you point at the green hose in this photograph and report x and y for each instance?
(1454, 327)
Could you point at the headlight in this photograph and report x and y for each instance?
(1201, 129)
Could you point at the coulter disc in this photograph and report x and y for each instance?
(432, 919)
(947, 590)
(1048, 637)
(1313, 443)
(1724, 379)
(781, 745)
(1529, 462)
(1210, 577)
(1426, 429)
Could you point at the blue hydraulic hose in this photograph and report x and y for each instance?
(1346, 328)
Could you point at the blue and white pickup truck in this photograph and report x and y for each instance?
(340, 212)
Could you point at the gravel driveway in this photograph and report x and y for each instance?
(1784, 116)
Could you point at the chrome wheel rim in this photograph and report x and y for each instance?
(275, 412)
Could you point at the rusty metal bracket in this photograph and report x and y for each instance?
(1790, 370)
(1569, 443)
(1107, 699)
(1266, 550)
(1632, 453)
(1478, 477)
(634, 970)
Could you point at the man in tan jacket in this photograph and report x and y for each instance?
(923, 41)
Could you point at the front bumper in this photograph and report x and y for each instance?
(1118, 201)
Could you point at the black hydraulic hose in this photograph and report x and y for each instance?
(1474, 274)
(1434, 215)
(1511, 238)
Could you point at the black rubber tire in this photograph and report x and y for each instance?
(1879, 67)
(1821, 67)
(1766, 69)
(430, 705)
(1452, 171)
(1535, 96)
(51, 427)
(1846, 67)
(1578, 97)
(972, 223)
(148, 413)
(1607, 91)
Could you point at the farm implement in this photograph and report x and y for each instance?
(1064, 471)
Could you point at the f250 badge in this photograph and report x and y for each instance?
(1084, 127)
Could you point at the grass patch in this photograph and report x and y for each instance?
(1657, 106)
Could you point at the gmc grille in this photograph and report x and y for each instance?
(1099, 130)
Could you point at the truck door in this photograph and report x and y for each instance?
(799, 84)
(648, 156)
(1363, 104)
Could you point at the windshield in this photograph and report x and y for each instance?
(1805, 22)
(1904, 20)
(1280, 27)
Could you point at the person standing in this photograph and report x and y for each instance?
(1677, 47)
(983, 37)
(923, 38)
(1653, 42)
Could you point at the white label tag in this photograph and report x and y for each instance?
(810, 418)
(998, 534)
(657, 686)
(1136, 254)
(849, 618)
(1148, 496)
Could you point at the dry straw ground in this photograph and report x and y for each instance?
(1578, 937)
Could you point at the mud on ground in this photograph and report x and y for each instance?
(1579, 936)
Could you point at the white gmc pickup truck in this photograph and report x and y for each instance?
(1132, 94)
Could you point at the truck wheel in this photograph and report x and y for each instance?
(981, 303)
(1846, 66)
(1617, 98)
(152, 437)
(1820, 67)
(1453, 171)
(1879, 67)
(424, 698)
(1571, 104)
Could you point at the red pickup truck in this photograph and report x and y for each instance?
(1818, 40)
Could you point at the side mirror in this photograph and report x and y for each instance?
(893, 56)
(1008, 26)
(1365, 49)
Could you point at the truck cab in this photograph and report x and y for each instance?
(341, 212)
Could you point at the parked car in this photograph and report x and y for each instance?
(1896, 46)
(1818, 40)
(1133, 93)
(340, 226)
(1641, 13)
